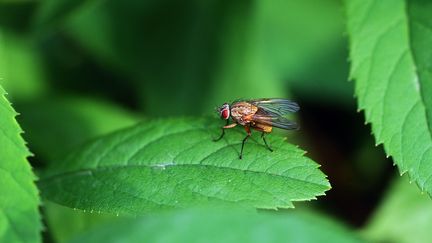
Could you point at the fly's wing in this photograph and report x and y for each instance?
(275, 105)
(272, 119)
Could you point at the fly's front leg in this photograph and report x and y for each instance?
(265, 141)
(223, 130)
(247, 128)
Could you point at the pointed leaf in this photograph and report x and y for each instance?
(174, 163)
(19, 200)
(392, 64)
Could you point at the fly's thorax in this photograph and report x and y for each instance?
(242, 112)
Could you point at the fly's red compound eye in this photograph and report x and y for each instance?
(225, 112)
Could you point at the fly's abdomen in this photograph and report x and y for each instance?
(262, 127)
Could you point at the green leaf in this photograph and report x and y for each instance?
(225, 226)
(404, 216)
(391, 63)
(19, 201)
(174, 163)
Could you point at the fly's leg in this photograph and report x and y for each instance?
(265, 141)
(243, 143)
(223, 130)
(244, 140)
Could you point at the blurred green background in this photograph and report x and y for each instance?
(79, 69)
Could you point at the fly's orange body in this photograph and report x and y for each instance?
(243, 113)
(259, 114)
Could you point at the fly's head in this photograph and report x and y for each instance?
(224, 111)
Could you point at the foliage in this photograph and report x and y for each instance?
(234, 226)
(391, 66)
(408, 207)
(175, 164)
(19, 216)
(115, 98)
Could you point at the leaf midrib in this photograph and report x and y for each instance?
(89, 173)
(91, 170)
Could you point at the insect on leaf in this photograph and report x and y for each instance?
(174, 163)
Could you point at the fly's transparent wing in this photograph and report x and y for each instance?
(272, 119)
(276, 105)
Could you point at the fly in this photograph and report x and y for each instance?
(259, 114)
